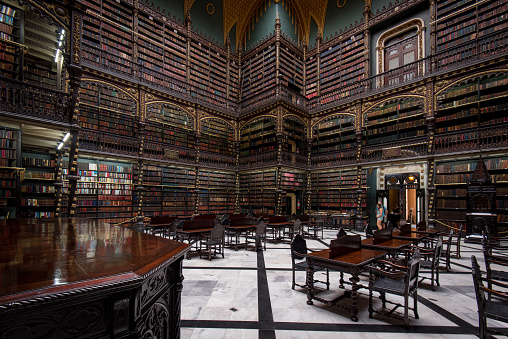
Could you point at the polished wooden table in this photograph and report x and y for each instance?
(192, 237)
(237, 230)
(84, 278)
(391, 246)
(414, 237)
(277, 227)
(353, 263)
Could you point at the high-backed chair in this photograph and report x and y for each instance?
(398, 280)
(500, 271)
(430, 260)
(493, 306)
(341, 233)
(214, 244)
(315, 227)
(257, 239)
(298, 252)
(296, 229)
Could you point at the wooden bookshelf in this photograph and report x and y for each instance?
(217, 136)
(291, 66)
(107, 26)
(333, 134)
(342, 64)
(258, 192)
(336, 191)
(258, 137)
(216, 192)
(295, 131)
(479, 102)
(105, 108)
(258, 72)
(38, 189)
(498, 169)
(169, 124)
(178, 196)
(311, 77)
(393, 120)
(460, 25)
(10, 51)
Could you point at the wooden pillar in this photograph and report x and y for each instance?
(431, 126)
(319, 39)
(366, 39)
(277, 49)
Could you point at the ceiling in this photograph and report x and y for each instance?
(242, 12)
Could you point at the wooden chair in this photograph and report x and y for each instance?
(431, 258)
(293, 231)
(495, 306)
(341, 233)
(214, 244)
(500, 271)
(314, 227)
(299, 251)
(399, 280)
(368, 232)
(258, 238)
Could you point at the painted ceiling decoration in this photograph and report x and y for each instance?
(242, 13)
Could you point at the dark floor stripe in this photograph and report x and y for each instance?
(327, 327)
(265, 315)
(444, 313)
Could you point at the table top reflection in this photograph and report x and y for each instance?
(39, 256)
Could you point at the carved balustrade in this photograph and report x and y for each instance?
(155, 150)
(258, 160)
(35, 101)
(108, 143)
(225, 162)
(413, 148)
(294, 160)
(333, 159)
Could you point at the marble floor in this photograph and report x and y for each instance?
(248, 295)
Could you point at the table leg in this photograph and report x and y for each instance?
(310, 285)
(354, 297)
(341, 281)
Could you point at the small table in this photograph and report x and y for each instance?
(277, 227)
(237, 230)
(391, 246)
(353, 263)
(414, 237)
(192, 237)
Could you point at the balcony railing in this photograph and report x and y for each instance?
(32, 100)
(155, 150)
(221, 161)
(102, 142)
(333, 159)
(413, 148)
(465, 141)
(294, 160)
(258, 160)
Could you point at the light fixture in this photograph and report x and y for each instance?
(66, 137)
(411, 178)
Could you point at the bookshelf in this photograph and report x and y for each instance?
(217, 136)
(492, 17)
(451, 182)
(336, 191)
(233, 80)
(107, 26)
(258, 72)
(291, 67)
(216, 192)
(258, 137)
(342, 64)
(104, 190)
(393, 120)
(152, 184)
(169, 124)
(258, 192)
(293, 181)
(479, 102)
(460, 25)
(498, 169)
(294, 132)
(176, 55)
(150, 44)
(333, 134)
(311, 77)
(178, 196)
(38, 189)
(105, 108)
(10, 52)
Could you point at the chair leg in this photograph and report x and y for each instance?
(483, 327)
(432, 278)
(327, 279)
(383, 298)
(406, 311)
(371, 309)
(437, 275)
(415, 306)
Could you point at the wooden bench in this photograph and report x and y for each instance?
(160, 224)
